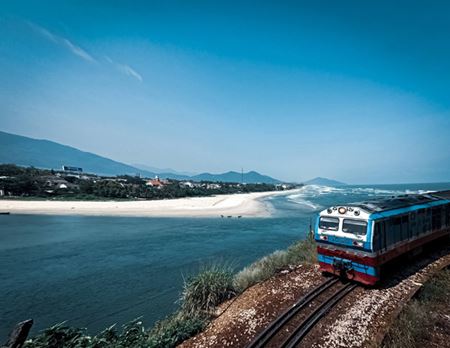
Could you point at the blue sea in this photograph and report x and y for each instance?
(96, 271)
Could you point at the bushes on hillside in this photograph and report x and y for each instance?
(200, 297)
(133, 334)
(176, 328)
(301, 252)
(212, 286)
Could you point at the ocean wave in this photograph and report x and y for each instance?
(306, 194)
(307, 197)
(300, 200)
(316, 190)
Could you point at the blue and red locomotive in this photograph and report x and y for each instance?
(357, 240)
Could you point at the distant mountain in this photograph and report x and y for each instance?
(324, 182)
(24, 151)
(160, 170)
(249, 177)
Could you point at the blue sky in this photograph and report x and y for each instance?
(351, 90)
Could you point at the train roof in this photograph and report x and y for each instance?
(441, 194)
(403, 201)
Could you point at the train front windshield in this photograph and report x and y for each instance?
(329, 223)
(354, 226)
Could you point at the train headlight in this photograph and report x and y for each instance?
(323, 237)
(342, 210)
(329, 211)
(356, 212)
(358, 244)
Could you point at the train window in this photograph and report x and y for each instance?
(405, 227)
(397, 229)
(436, 221)
(378, 237)
(354, 226)
(329, 223)
(389, 233)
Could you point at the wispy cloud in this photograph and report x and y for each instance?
(64, 42)
(125, 69)
(81, 53)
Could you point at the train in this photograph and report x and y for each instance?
(360, 241)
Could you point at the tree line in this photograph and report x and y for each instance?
(32, 182)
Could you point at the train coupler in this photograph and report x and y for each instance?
(343, 268)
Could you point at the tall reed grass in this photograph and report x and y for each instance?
(301, 252)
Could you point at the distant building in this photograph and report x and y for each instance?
(57, 183)
(70, 169)
(283, 186)
(186, 184)
(213, 186)
(157, 182)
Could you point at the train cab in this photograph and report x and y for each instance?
(358, 240)
(343, 235)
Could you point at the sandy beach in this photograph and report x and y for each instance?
(245, 205)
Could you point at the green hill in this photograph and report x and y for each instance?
(24, 151)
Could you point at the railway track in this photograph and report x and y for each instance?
(293, 325)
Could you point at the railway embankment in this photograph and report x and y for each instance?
(361, 319)
(425, 320)
(365, 316)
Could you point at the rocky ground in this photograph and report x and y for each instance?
(360, 320)
(363, 318)
(242, 318)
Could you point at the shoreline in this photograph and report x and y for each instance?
(242, 204)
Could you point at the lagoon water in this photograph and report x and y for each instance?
(96, 271)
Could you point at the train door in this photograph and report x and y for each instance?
(376, 245)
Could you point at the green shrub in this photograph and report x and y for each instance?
(61, 336)
(260, 270)
(133, 335)
(175, 329)
(408, 328)
(209, 288)
(437, 289)
(301, 252)
(304, 251)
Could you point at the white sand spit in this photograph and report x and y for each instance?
(246, 205)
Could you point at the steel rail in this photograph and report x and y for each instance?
(274, 327)
(307, 324)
